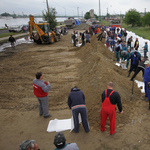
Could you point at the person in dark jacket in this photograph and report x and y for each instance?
(74, 39)
(109, 99)
(129, 42)
(140, 67)
(41, 89)
(12, 40)
(118, 50)
(135, 58)
(136, 44)
(125, 35)
(76, 102)
(83, 39)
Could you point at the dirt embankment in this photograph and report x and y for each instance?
(90, 68)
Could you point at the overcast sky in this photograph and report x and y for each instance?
(69, 7)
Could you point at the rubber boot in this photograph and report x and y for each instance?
(128, 74)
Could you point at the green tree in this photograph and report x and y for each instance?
(50, 17)
(146, 19)
(87, 15)
(5, 14)
(132, 17)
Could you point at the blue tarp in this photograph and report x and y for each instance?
(77, 21)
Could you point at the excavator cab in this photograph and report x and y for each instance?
(45, 27)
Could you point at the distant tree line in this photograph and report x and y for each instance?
(134, 18)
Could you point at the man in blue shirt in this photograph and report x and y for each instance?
(147, 80)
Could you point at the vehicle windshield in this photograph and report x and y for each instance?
(45, 28)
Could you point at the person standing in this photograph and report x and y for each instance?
(125, 35)
(135, 60)
(12, 41)
(118, 50)
(129, 42)
(145, 49)
(87, 38)
(83, 39)
(109, 99)
(41, 89)
(76, 102)
(60, 143)
(136, 44)
(74, 39)
(146, 81)
(140, 67)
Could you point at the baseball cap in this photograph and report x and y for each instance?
(59, 139)
(147, 62)
(26, 144)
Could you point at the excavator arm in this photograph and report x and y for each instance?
(33, 24)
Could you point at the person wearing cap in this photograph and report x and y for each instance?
(145, 49)
(76, 102)
(146, 81)
(141, 66)
(109, 99)
(41, 89)
(28, 145)
(135, 59)
(60, 143)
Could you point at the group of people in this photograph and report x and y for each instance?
(118, 41)
(76, 102)
(76, 98)
(59, 142)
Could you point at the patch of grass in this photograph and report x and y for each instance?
(8, 34)
(3, 29)
(107, 23)
(141, 31)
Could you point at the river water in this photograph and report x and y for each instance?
(20, 21)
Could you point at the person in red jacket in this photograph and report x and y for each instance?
(108, 109)
(41, 89)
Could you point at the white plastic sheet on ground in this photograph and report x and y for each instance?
(140, 84)
(18, 42)
(58, 125)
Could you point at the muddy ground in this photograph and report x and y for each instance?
(89, 67)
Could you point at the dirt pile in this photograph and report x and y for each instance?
(95, 72)
(82, 26)
(90, 68)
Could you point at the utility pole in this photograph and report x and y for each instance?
(47, 6)
(78, 11)
(107, 14)
(145, 11)
(99, 11)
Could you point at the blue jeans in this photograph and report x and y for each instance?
(118, 56)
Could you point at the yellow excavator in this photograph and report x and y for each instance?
(43, 33)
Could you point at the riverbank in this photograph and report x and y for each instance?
(90, 68)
